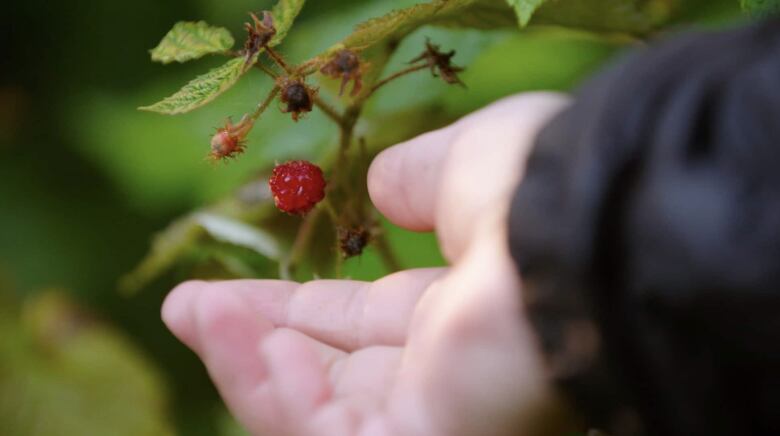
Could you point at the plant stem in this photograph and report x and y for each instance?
(302, 239)
(271, 73)
(386, 253)
(279, 60)
(328, 110)
(394, 76)
(264, 105)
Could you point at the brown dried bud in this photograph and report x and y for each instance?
(260, 33)
(353, 241)
(346, 65)
(440, 63)
(298, 96)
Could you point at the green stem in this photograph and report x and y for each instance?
(394, 76)
(271, 73)
(302, 239)
(279, 60)
(328, 110)
(265, 103)
(386, 253)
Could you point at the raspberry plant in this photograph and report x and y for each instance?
(339, 82)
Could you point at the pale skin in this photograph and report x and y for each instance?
(425, 352)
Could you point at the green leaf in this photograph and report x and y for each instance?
(525, 9)
(189, 40)
(203, 89)
(401, 22)
(761, 8)
(624, 16)
(232, 231)
(284, 14)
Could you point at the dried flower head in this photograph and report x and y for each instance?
(346, 65)
(352, 241)
(440, 63)
(259, 33)
(298, 96)
(229, 141)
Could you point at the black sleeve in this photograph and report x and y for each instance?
(647, 235)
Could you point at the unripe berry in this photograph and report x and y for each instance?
(297, 186)
(229, 140)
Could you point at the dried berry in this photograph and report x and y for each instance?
(353, 241)
(297, 186)
(346, 65)
(259, 32)
(440, 63)
(298, 96)
(229, 141)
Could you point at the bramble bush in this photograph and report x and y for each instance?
(341, 82)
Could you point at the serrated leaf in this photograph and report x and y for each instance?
(485, 14)
(401, 22)
(627, 16)
(284, 14)
(203, 89)
(189, 40)
(525, 9)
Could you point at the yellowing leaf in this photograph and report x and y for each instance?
(284, 14)
(203, 89)
(189, 40)
(525, 9)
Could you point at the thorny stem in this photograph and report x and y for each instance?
(394, 76)
(318, 101)
(346, 123)
(264, 105)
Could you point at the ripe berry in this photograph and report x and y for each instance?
(297, 186)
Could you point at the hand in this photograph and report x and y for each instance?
(424, 352)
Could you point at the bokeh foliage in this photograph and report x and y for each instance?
(87, 180)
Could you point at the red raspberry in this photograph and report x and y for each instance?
(297, 186)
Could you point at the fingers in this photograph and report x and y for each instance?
(485, 163)
(445, 179)
(344, 314)
(271, 379)
(298, 376)
(277, 380)
(224, 332)
(404, 179)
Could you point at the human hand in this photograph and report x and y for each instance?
(426, 352)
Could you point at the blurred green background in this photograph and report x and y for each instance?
(86, 181)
